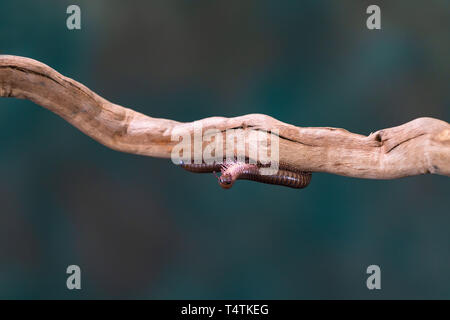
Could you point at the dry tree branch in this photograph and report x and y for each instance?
(417, 147)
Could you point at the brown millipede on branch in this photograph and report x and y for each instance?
(236, 170)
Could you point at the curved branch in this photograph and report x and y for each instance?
(417, 147)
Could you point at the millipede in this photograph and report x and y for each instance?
(239, 170)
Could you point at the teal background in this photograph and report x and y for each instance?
(142, 228)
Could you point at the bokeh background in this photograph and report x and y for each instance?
(142, 228)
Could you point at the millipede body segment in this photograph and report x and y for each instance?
(201, 167)
(235, 170)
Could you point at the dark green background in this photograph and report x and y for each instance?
(142, 228)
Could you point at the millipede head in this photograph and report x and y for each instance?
(226, 181)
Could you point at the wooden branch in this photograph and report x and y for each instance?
(417, 147)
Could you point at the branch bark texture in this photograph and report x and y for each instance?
(417, 147)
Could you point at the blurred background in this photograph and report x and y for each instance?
(143, 228)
